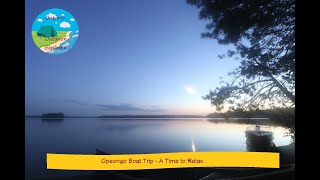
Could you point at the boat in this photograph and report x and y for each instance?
(259, 135)
(260, 147)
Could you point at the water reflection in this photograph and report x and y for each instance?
(118, 127)
(261, 121)
(284, 131)
(135, 136)
(51, 122)
(251, 147)
(193, 146)
(125, 125)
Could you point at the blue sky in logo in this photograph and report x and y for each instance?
(69, 23)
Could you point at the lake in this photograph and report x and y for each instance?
(123, 136)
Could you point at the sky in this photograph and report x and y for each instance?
(131, 57)
(59, 19)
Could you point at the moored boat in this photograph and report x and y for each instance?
(259, 135)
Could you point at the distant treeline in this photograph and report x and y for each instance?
(277, 114)
(153, 116)
(239, 114)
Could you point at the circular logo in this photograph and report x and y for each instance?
(55, 31)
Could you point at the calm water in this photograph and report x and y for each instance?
(120, 136)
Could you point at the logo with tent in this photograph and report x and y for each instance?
(58, 36)
(47, 31)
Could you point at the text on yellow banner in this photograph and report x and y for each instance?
(162, 160)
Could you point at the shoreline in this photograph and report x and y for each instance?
(56, 44)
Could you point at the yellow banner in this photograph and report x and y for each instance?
(162, 160)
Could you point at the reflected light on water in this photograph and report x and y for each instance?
(133, 136)
(193, 147)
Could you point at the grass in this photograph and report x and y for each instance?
(41, 42)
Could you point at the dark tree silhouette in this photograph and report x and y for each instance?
(263, 34)
(53, 115)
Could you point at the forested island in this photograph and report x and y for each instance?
(58, 115)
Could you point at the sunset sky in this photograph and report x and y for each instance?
(131, 57)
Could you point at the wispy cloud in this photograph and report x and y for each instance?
(65, 24)
(82, 103)
(127, 107)
(51, 15)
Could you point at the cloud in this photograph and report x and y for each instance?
(62, 14)
(65, 25)
(51, 16)
(77, 102)
(39, 20)
(66, 44)
(126, 107)
(190, 89)
(76, 35)
(72, 19)
(77, 31)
